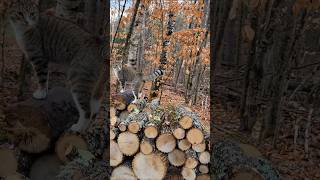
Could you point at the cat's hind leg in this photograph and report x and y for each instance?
(40, 66)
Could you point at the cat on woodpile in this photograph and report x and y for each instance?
(44, 39)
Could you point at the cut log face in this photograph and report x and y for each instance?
(147, 146)
(122, 127)
(128, 143)
(179, 133)
(203, 169)
(184, 144)
(113, 117)
(204, 177)
(151, 166)
(134, 127)
(192, 159)
(116, 156)
(177, 157)
(204, 157)
(45, 167)
(151, 131)
(122, 100)
(123, 172)
(186, 122)
(9, 162)
(64, 143)
(188, 174)
(166, 143)
(114, 133)
(195, 136)
(199, 147)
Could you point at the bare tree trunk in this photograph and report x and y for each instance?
(117, 30)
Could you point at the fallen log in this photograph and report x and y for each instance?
(230, 160)
(33, 124)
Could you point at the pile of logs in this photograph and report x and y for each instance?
(148, 141)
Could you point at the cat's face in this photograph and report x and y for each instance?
(24, 12)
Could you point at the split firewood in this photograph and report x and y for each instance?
(138, 106)
(128, 143)
(166, 142)
(203, 169)
(151, 166)
(204, 157)
(177, 157)
(116, 156)
(137, 122)
(9, 162)
(64, 142)
(206, 177)
(33, 124)
(199, 147)
(122, 172)
(184, 144)
(122, 100)
(45, 167)
(188, 174)
(192, 159)
(147, 145)
(195, 136)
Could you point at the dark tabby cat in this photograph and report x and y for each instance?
(128, 74)
(45, 39)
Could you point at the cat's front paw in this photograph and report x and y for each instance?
(40, 94)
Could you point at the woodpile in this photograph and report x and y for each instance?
(148, 141)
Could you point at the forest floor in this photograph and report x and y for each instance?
(291, 165)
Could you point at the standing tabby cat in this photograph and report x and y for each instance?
(45, 39)
(128, 74)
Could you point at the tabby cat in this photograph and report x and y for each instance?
(128, 74)
(45, 39)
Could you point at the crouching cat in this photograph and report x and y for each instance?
(45, 39)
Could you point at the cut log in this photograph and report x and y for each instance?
(205, 177)
(151, 129)
(179, 133)
(151, 166)
(203, 169)
(204, 157)
(114, 133)
(122, 100)
(195, 136)
(188, 174)
(166, 143)
(137, 122)
(34, 123)
(128, 143)
(123, 172)
(177, 157)
(199, 147)
(186, 122)
(45, 167)
(113, 117)
(184, 144)
(138, 106)
(116, 156)
(9, 162)
(192, 159)
(147, 146)
(123, 123)
(64, 143)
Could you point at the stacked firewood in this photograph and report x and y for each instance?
(148, 141)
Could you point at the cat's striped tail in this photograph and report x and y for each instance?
(157, 73)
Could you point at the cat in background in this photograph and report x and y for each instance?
(44, 38)
(128, 74)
